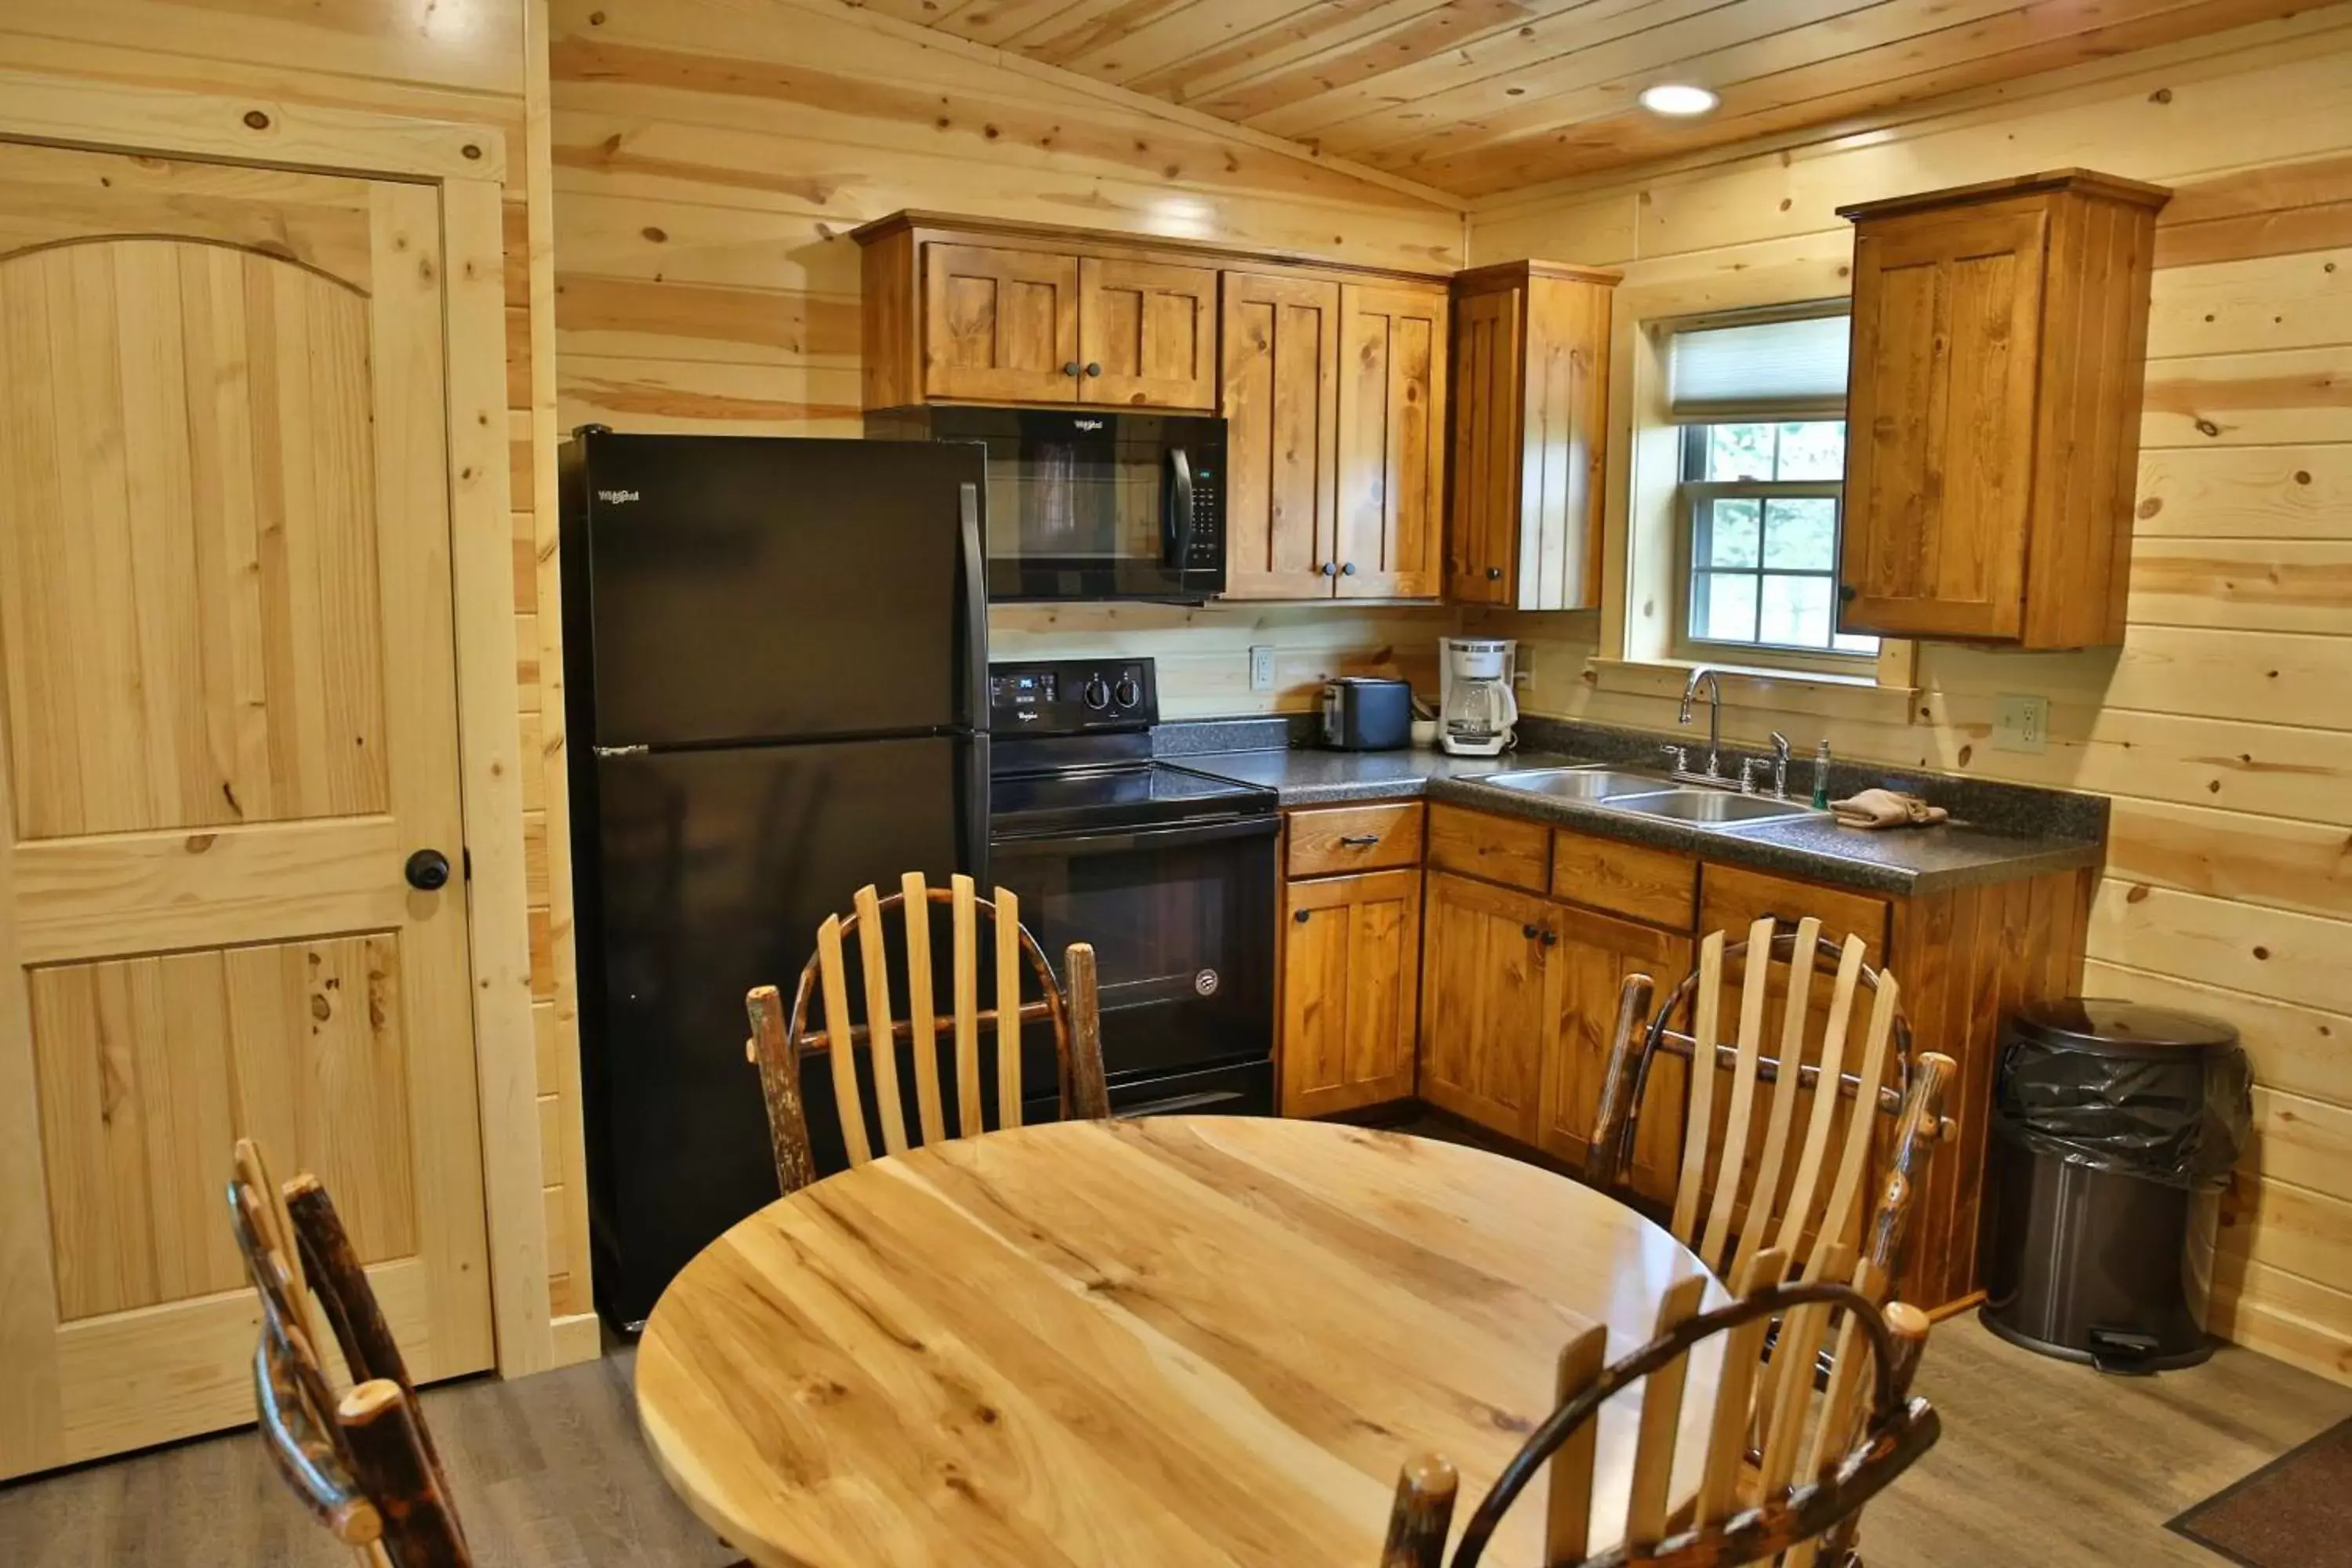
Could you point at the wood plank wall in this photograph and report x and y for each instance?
(709, 161)
(2220, 728)
(396, 57)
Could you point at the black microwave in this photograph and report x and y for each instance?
(1091, 504)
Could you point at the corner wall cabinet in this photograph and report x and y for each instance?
(1531, 415)
(1525, 932)
(1999, 354)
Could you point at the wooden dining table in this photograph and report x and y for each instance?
(1173, 1340)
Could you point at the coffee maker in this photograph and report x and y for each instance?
(1476, 709)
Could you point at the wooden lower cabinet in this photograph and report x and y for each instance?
(1351, 983)
(1590, 962)
(1489, 1002)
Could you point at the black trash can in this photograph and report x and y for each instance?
(2114, 1128)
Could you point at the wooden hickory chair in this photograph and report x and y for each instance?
(1820, 1205)
(363, 1464)
(1801, 1519)
(777, 1045)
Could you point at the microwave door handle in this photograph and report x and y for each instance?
(1179, 493)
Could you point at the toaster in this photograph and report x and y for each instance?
(1366, 714)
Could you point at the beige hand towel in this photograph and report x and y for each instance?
(1885, 808)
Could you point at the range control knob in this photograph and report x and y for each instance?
(1128, 693)
(1096, 694)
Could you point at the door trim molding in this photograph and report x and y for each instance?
(469, 165)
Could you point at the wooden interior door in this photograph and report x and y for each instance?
(1350, 985)
(1594, 955)
(1947, 338)
(1489, 335)
(1000, 326)
(1148, 333)
(1281, 383)
(1391, 442)
(228, 718)
(1487, 1004)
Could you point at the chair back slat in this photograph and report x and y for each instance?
(1008, 1008)
(1755, 991)
(1568, 1501)
(1727, 1433)
(1421, 1515)
(1786, 1088)
(967, 1008)
(1838, 1214)
(1834, 1035)
(914, 895)
(1706, 1018)
(881, 1027)
(840, 1032)
(1788, 1395)
(1842, 1400)
(1661, 1412)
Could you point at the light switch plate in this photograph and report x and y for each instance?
(2020, 723)
(1261, 667)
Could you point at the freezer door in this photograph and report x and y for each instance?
(714, 870)
(747, 588)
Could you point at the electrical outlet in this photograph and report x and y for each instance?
(1261, 667)
(2020, 723)
(1523, 668)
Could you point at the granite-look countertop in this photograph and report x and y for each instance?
(1902, 861)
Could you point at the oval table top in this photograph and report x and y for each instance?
(1180, 1340)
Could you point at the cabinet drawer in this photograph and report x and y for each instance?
(1731, 897)
(1660, 886)
(1355, 838)
(1498, 849)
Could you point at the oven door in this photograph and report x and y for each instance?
(1098, 505)
(1181, 920)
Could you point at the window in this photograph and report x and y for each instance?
(1761, 404)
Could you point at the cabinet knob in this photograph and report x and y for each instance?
(1070, 368)
(1093, 369)
(1493, 573)
(1550, 937)
(1528, 932)
(1847, 594)
(1298, 915)
(1349, 570)
(1330, 568)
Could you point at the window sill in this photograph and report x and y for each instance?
(1782, 690)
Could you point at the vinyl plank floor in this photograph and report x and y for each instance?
(2040, 1462)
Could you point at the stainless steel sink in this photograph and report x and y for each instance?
(1708, 809)
(1578, 783)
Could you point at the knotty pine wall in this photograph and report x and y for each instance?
(470, 61)
(2222, 729)
(710, 158)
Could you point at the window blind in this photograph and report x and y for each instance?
(1791, 368)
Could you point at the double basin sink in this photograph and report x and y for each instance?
(1646, 794)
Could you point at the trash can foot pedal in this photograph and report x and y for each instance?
(2119, 1353)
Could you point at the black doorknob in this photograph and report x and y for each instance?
(427, 871)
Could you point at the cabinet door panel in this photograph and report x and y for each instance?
(1945, 340)
(1281, 388)
(1147, 333)
(1486, 385)
(999, 326)
(1352, 985)
(1391, 442)
(1593, 957)
(1488, 1005)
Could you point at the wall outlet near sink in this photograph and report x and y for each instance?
(2020, 723)
(1261, 666)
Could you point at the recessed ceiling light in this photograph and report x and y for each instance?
(1677, 99)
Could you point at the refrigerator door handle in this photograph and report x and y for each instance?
(975, 603)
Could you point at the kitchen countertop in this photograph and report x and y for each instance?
(1902, 861)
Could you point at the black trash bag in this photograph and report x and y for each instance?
(2180, 1117)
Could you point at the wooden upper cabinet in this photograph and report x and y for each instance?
(1000, 326)
(1999, 349)
(1147, 333)
(1530, 409)
(1391, 442)
(1281, 397)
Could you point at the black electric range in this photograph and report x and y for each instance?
(1168, 873)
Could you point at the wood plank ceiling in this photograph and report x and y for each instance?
(1480, 97)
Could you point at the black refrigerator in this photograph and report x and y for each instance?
(775, 666)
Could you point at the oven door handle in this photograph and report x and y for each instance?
(1199, 1101)
(1146, 838)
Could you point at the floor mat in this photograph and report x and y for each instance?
(2294, 1513)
